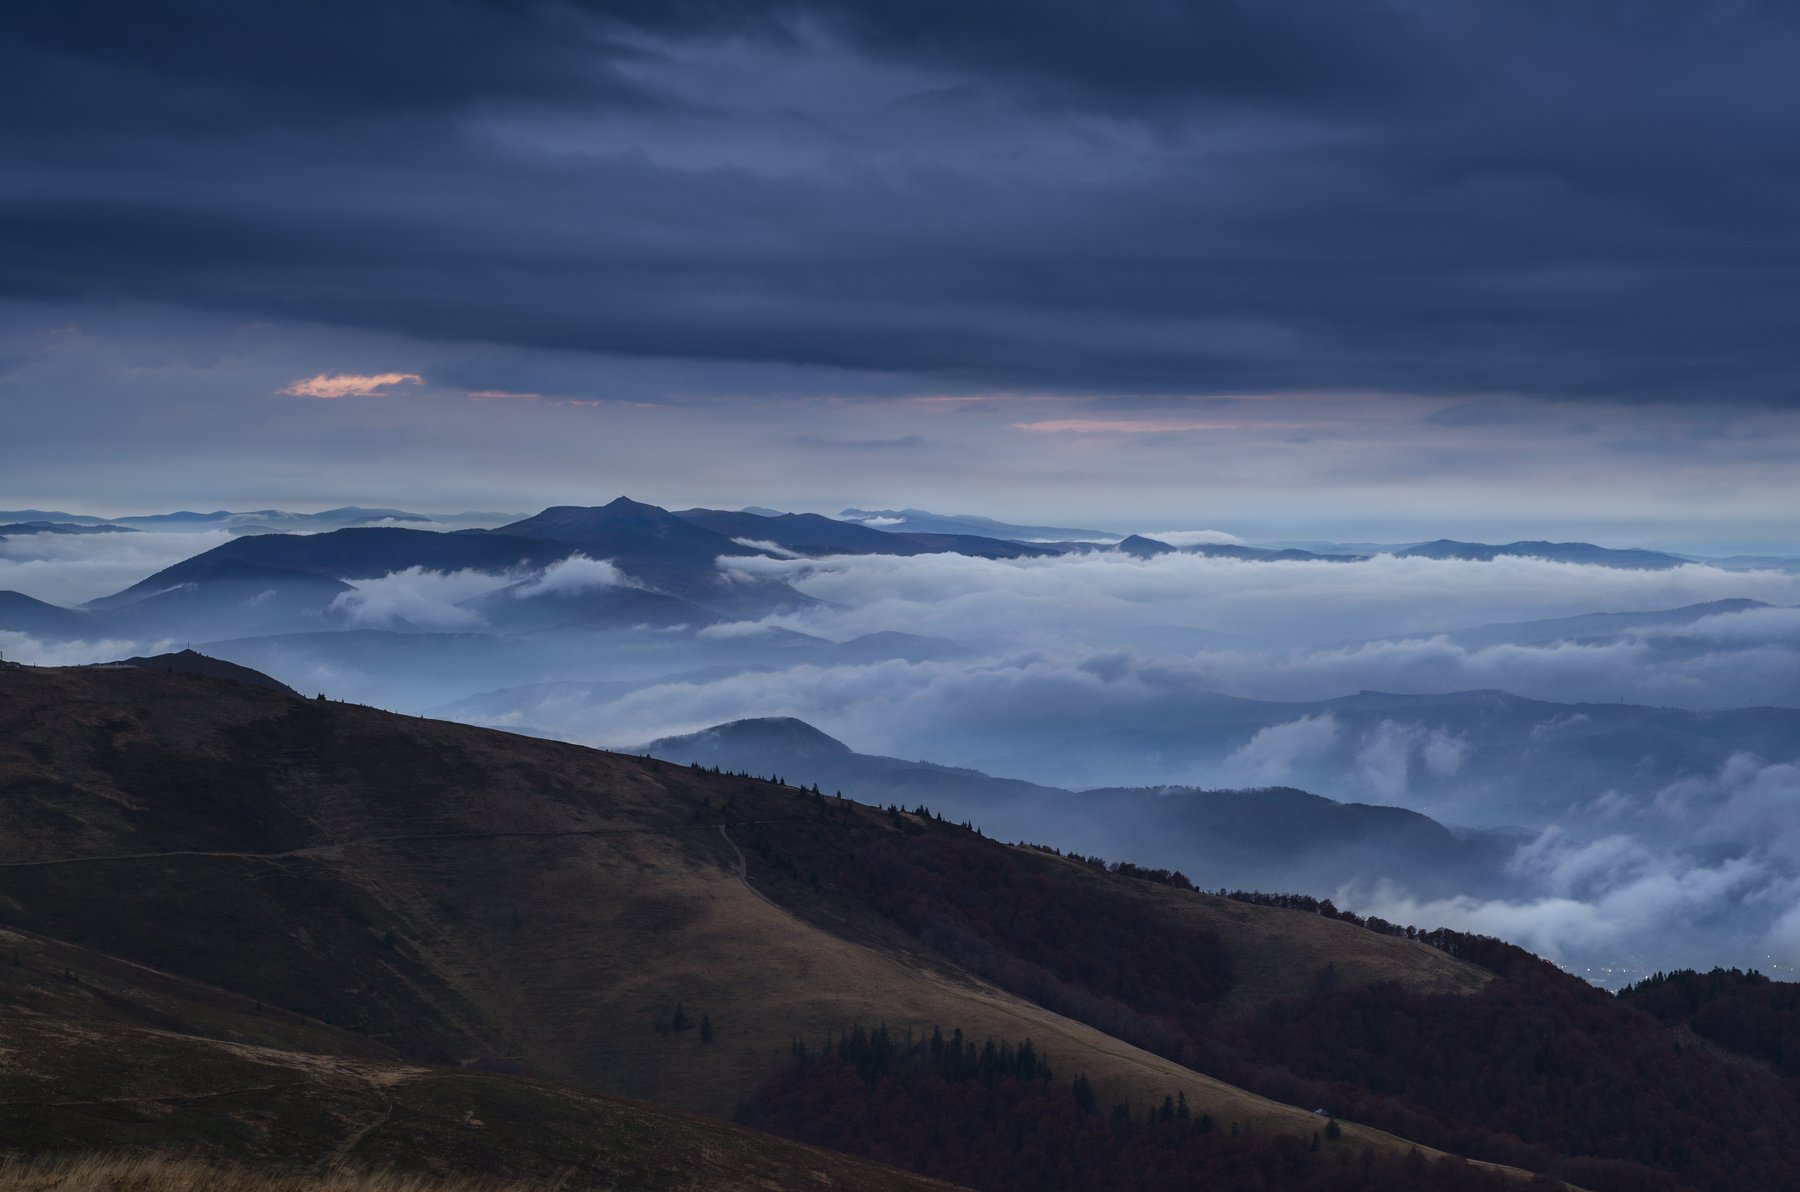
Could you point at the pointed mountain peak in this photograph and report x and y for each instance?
(623, 527)
(787, 735)
(1144, 547)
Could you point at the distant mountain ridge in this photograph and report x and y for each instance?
(1268, 838)
(813, 534)
(1589, 626)
(1145, 547)
(920, 521)
(346, 515)
(1558, 552)
(21, 529)
(51, 515)
(1142, 547)
(257, 521)
(313, 570)
(24, 614)
(263, 583)
(628, 529)
(348, 554)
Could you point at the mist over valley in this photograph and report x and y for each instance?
(1587, 755)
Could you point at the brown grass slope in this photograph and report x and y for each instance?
(454, 895)
(162, 1173)
(1277, 953)
(81, 1089)
(102, 1059)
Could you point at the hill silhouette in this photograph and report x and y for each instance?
(190, 662)
(459, 898)
(1272, 837)
(1560, 552)
(107, 1057)
(547, 905)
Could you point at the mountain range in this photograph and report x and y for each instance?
(621, 623)
(1263, 839)
(1559, 552)
(26, 529)
(667, 564)
(1476, 759)
(264, 583)
(922, 522)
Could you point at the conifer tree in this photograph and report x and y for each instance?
(1084, 1095)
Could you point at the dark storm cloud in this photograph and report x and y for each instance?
(325, 58)
(1145, 55)
(1137, 199)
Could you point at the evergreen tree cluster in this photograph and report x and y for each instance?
(993, 1117)
(879, 1055)
(1744, 1011)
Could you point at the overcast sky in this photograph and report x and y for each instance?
(1331, 269)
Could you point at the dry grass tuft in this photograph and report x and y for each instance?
(169, 1173)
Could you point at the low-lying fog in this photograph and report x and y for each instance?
(1648, 836)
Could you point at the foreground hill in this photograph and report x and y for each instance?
(190, 662)
(105, 1057)
(429, 896)
(472, 896)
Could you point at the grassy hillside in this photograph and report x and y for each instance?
(459, 895)
(1473, 1046)
(432, 919)
(105, 1058)
(1279, 954)
(161, 1173)
(85, 1088)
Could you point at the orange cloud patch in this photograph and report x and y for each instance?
(338, 385)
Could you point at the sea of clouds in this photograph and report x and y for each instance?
(70, 569)
(1059, 653)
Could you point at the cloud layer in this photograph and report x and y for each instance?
(1130, 199)
(70, 569)
(1109, 670)
(1631, 903)
(418, 598)
(575, 574)
(1276, 602)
